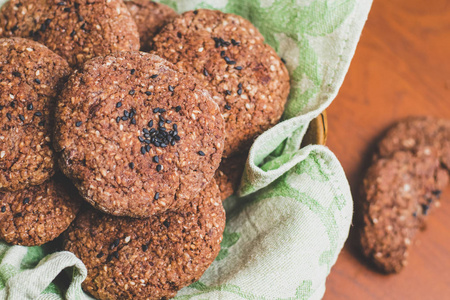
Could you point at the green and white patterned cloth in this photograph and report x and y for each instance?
(286, 229)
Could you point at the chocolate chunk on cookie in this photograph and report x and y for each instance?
(406, 177)
(31, 76)
(245, 76)
(228, 175)
(150, 17)
(136, 136)
(39, 214)
(148, 258)
(77, 30)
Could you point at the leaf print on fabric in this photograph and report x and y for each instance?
(229, 239)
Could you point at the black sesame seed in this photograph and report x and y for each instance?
(238, 68)
(147, 148)
(16, 74)
(228, 92)
(239, 91)
(22, 118)
(171, 88)
(160, 123)
(131, 92)
(62, 3)
(100, 254)
(126, 113)
(156, 110)
(140, 139)
(18, 215)
(147, 141)
(145, 130)
(118, 104)
(76, 5)
(132, 71)
(172, 142)
(425, 209)
(37, 81)
(38, 114)
(283, 60)
(437, 193)
(205, 72)
(115, 254)
(175, 126)
(179, 35)
(429, 200)
(3, 209)
(177, 138)
(156, 159)
(115, 243)
(231, 62)
(178, 108)
(195, 12)
(30, 106)
(26, 200)
(144, 248)
(162, 110)
(148, 93)
(163, 145)
(118, 119)
(43, 27)
(150, 124)
(158, 168)
(227, 59)
(67, 9)
(154, 76)
(108, 258)
(83, 26)
(168, 121)
(234, 42)
(14, 28)
(78, 124)
(201, 153)
(131, 165)
(222, 53)
(240, 86)
(8, 115)
(73, 33)
(156, 196)
(124, 118)
(12, 104)
(41, 123)
(227, 107)
(166, 223)
(1, 107)
(143, 151)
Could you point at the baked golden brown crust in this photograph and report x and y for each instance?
(150, 17)
(39, 214)
(136, 136)
(76, 30)
(405, 179)
(246, 77)
(228, 175)
(31, 77)
(148, 258)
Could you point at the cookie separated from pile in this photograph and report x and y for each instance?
(77, 30)
(31, 76)
(228, 175)
(408, 173)
(135, 136)
(227, 54)
(38, 214)
(150, 17)
(148, 258)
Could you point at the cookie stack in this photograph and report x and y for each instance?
(140, 135)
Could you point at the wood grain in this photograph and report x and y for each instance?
(401, 68)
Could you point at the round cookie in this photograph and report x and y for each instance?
(148, 258)
(31, 76)
(245, 76)
(228, 175)
(150, 17)
(77, 30)
(403, 182)
(136, 136)
(37, 215)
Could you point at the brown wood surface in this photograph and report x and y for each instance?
(401, 68)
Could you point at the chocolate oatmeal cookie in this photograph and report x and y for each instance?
(150, 17)
(136, 136)
(406, 178)
(39, 214)
(148, 258)
(228, 175)
(78, 30)
(245, 76)
(31, 76)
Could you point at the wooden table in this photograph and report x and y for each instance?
(401, 68)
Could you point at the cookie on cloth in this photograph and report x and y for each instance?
(408, 172)
(227, 54)
(148, 258)
(78, 30)
(228, 175)
(150, 17)
(136, 136)
(31, 76)
(38, 214)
